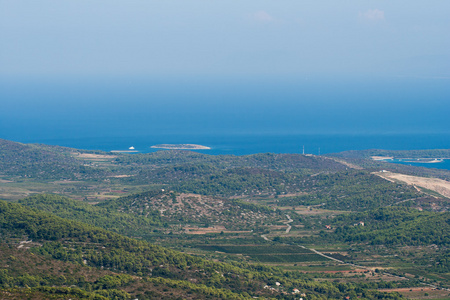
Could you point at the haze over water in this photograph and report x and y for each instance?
(230, 115)
(240, 77)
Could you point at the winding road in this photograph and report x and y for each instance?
(287, 223)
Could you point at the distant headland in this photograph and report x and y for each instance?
(180, 147)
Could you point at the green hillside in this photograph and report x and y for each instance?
(185, 225)
(81, 244)
(393, 226)
(35, 161)
(351, 190)
(110, 219)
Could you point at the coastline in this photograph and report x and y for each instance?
(408, 160)
(424, 161)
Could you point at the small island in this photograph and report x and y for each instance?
(180, 147)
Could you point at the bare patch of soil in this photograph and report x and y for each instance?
(91, 156)
(438, 185)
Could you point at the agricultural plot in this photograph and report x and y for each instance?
(268, 253)
(287, 258)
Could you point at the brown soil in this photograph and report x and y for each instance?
(93, 156)
(438, 185)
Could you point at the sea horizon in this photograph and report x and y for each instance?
(233, 117)
(248, 143)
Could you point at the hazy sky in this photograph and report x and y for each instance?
(101, 67)
(192, 37)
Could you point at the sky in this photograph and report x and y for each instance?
(56, 38)
(97, 67)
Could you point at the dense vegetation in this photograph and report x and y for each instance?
(342, 190)
(393, 226)
(355, 190)
(232, 212)
(241, 181)
(270, 161)
(110, 219)
(35, 161)
(173, 208)
(226, 175)
(82, 244)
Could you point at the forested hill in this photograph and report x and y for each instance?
(176, 208)
(229, 209)
(393, 226)
(111, 219)
(270, 161)
(53, 162)
(43, 162)
(351, 190)
(149, 266)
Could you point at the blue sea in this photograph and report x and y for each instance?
(443, 164)
(235, 116)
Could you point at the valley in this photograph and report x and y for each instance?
(329, 227)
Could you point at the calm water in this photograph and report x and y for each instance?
(241, 144)
(445, 164)
(232, 116)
